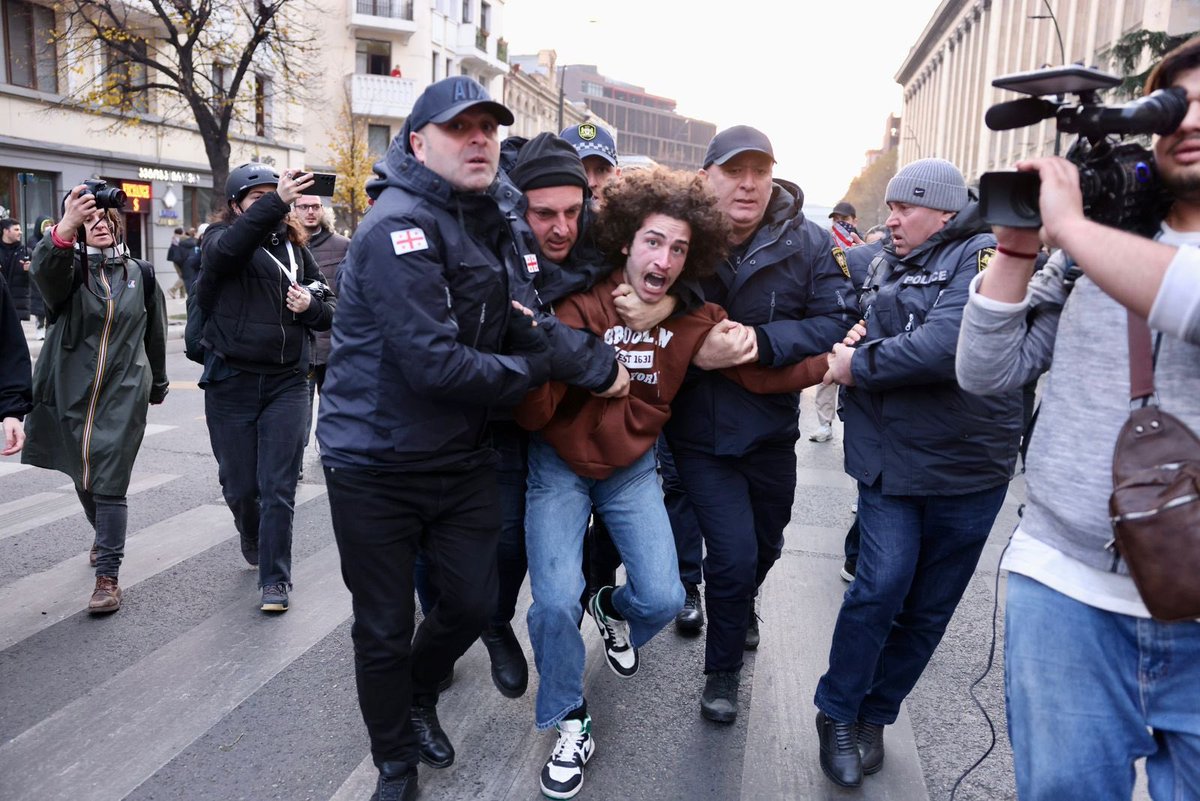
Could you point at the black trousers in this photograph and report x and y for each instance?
(381, 520)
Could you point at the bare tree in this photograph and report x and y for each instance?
(195, 58)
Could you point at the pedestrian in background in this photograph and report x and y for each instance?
(14, 266)
(16, 387)
(103, 364)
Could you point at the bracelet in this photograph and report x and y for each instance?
(65, 244)
(1016, 254)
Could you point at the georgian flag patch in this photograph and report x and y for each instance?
(531, 263)
(408, 241)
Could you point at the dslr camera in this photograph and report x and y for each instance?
(1118, 179)
(107, 197)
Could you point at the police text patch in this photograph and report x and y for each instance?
(983, 257)
(408, 241)
(839, 256)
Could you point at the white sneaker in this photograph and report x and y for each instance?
(621, 655)
(822, 434)
(562, 776)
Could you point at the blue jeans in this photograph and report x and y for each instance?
(256, 426)
(556, 513)
(1090, 691)
(917, 555)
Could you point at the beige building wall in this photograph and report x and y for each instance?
(948, 73)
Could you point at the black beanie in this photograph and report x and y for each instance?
(548, 160)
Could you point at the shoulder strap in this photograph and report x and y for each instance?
(1141, 360)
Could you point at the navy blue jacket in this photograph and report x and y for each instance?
(791, 289)
(416, 360)
(859, 259)
(906, 418)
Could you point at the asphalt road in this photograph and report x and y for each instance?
(190, 693)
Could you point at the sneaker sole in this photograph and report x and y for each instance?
(594, 611)
(274, 607)
(846, 575)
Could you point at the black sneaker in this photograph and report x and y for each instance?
(719, 701)
(274, 598)
(690, 619)
(622, 656)
(562, 776)
(752, 636)
(848, 569)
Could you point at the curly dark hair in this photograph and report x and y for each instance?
(685, 196)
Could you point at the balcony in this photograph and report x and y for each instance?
(381, 96)
(473, 49)
(393, 17)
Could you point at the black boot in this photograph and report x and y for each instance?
(436, 750)
(510, 671)
(839, 752)
(719, 701)
(397, 782)
(690, 619)
(870, 745)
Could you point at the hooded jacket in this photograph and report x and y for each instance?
(907, 420)
(242, 290)
(597, 436)
(417, 359)
(790, 287)
(103, 362)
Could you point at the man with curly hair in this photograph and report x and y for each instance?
(656, 228)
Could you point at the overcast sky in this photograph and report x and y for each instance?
(817, 77)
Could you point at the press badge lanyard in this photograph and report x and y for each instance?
(291, 274)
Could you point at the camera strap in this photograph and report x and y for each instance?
(294, 271)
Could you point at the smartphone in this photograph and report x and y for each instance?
(323, 183)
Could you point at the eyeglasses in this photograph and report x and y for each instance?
(309, 207)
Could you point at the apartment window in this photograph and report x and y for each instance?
(485, 17)
(593, 89)
(197, 206)
(262, 105)
(378, 139)
(466, 11)
(372, 57)
(442, 7)
(30, 58)
(433, 77)
(126, 73)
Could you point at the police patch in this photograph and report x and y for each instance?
(982, 259)
(839, 256)
(408, 240)
(587, 132)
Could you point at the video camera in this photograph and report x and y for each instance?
(107, 197)
(1119, 182)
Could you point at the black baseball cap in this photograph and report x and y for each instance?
(738, 139)
(845, 209)
(449, 97)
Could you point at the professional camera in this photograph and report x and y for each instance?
(1119, 182)
(107, 197)
(319, 290)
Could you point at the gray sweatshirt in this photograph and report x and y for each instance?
(1085, 398)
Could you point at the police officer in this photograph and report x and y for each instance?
(426, 340)
(932, 464)
(734, 450)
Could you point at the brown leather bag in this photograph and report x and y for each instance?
(1155, 504)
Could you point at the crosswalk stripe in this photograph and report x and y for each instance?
(37, 601)
(46, 507)
(8, 468)
(156, 707)
(156, 428)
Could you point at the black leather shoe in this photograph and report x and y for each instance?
(719, 701)
(436, 751)
(396, 783)
(690, 619)
(870, 745)
(510, 671)
(839, 752)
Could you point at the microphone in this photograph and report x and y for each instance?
(1159, 112)
(1019, 113)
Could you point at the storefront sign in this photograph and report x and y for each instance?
(156, 174)
(138, 196)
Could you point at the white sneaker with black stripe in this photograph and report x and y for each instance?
(562, 777)
(621, 655)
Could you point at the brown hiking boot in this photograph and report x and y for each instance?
(93, 554)
(106, 597)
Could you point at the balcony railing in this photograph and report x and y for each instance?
(382, 95)
(392, 9)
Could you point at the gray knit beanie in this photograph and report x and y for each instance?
(933, 183)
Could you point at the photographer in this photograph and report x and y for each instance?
(1093, 682)
(260, 293)
(103, 363)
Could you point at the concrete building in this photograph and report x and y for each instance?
(647, 124)
(377, 56)
(948, 73)
(49, 141)
(532, 93)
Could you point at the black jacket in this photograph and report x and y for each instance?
(243, 292)
(789, 286)
(17, 276)
(907, 420)
(328, 250)
(16, 377)
(418, 357)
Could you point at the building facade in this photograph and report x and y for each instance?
(534, 97)
(947, 76)
(647, 124)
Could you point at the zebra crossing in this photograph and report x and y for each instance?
(190, 692)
